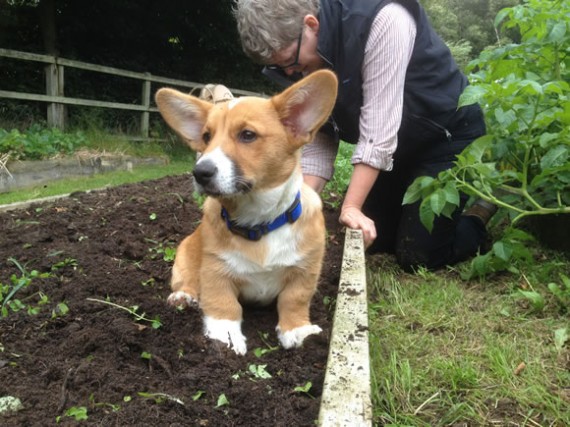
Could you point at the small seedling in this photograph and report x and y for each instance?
(156, 323)
(152, 216)
(305, 389)
(168, 252)
(329, 303)
(67, 262)
(259, 351)
(60, 310)
(146, 355)
(95, 404)
(222, 401)
(196, 396)
(259, 371)
(148, 282)
(78, 413)
(43, 300)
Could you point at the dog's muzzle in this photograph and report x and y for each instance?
(205, 172)
(214, 180)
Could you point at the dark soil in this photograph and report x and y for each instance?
(110, 246)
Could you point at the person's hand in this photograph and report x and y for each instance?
(353, 217)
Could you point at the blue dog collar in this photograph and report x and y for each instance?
(256, 232)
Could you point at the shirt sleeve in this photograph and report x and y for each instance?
(386, 57)
(318, 157)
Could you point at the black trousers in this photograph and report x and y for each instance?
(425, 149)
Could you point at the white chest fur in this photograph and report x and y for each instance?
(263, 277)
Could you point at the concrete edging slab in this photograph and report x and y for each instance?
(346, 397)
(27, 203)
(27, 173)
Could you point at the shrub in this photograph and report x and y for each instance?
(37, 143)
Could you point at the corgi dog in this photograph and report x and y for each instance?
(262, 234)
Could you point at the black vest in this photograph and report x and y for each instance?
(433, 81)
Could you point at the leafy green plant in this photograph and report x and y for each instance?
(37, 143)
(9, 290)
(535, 299)
(522, 164)
(133, 310)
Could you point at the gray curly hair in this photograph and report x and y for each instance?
(267, 26)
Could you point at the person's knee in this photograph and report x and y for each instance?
(411, 257)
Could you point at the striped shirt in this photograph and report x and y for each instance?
(386, 56)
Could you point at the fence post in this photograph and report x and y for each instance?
(145, 103)
(55, 87)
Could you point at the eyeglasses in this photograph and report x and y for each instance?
(295, 62)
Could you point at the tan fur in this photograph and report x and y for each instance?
(208, 263)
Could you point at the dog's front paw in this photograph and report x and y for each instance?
(295, 337)
(226, 331)
(180, 299)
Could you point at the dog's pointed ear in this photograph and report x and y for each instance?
(185, 114)
(305, 106)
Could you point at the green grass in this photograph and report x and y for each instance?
(70, 185)
(446, 352)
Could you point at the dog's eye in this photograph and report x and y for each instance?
(206, 137)
(247, 136)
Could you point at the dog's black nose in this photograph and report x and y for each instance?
(204, 172)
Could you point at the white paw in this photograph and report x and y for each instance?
(181, 299)
(295, 337)
(226, 331)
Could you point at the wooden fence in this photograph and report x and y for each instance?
(55, 83)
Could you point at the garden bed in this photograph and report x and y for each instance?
(79, 355)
